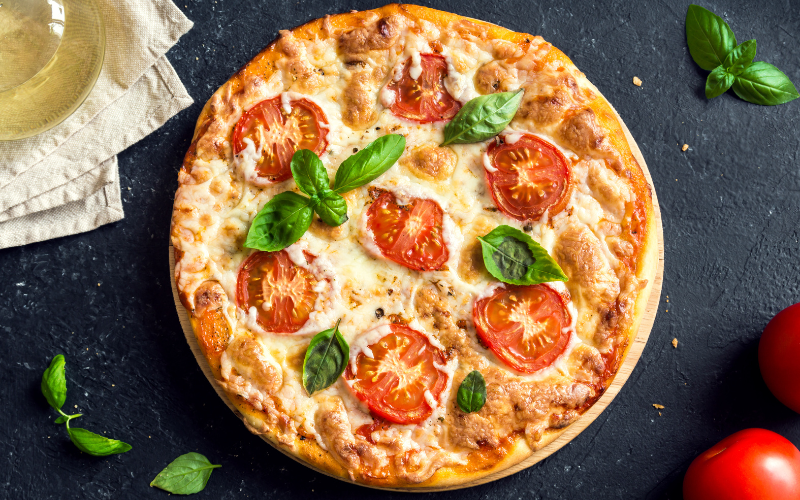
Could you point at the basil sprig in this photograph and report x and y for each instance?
(472, 392)
(713, 47)
(288, 215)
(514, 257)
(54, 389)
(482, 118)
(185, 475)
(326, 358)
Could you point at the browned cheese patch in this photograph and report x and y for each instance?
(430, 162)
(593, 285)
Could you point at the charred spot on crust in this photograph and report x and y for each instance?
(379, 313)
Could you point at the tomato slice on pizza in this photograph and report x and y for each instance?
(281, 291)
(412, 234)
(525, 326)
(279, 134)
(528, 177)
(399, 375)
(420, 94)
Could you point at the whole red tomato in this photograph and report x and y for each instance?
(779, 356)
(753, 464)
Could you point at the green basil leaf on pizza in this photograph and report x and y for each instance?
(326, 358)
(472, 392)
(282, 221)
(368, 164)
(482, 118)
(514, 257)
(309, 173)
(332, 209)
(186, 475)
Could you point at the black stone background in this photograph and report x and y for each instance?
(731, 210)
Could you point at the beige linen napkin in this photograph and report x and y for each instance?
(66, 180)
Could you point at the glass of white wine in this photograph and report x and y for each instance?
(51, 53)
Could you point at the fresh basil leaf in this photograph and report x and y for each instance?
(369, 163)
(282, 221)
(326, 358)
(740, 57)
(472, 392)
(482, 118)
(514, 257)
(95, 444)
(709, 37)
(718, 82)
(54, 382)
(332, 209)
(309, 173)
(763, 83)
(185, 475)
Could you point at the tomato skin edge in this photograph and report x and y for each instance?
(778, 352)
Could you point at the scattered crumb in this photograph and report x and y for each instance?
(637, 81)
(658, 406)
(659, 414)
(684, 147)
(196, 58)
(98, 284)
(76, 406)
(675, 343)
(112, 385)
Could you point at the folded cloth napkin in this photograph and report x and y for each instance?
(66, 180)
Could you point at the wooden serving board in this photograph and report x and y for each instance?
(631, 358)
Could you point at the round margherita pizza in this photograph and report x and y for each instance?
(414, 247)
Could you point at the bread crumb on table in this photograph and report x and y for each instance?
(637, 81)
(684, 147)
(675, 343)
(658, 406)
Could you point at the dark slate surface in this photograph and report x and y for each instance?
(731, 209)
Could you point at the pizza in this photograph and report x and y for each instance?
(385, 277)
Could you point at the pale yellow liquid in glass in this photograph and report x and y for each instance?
(51, 53)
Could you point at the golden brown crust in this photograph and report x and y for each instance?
(516, 419)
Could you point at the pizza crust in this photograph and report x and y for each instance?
(595, 128)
